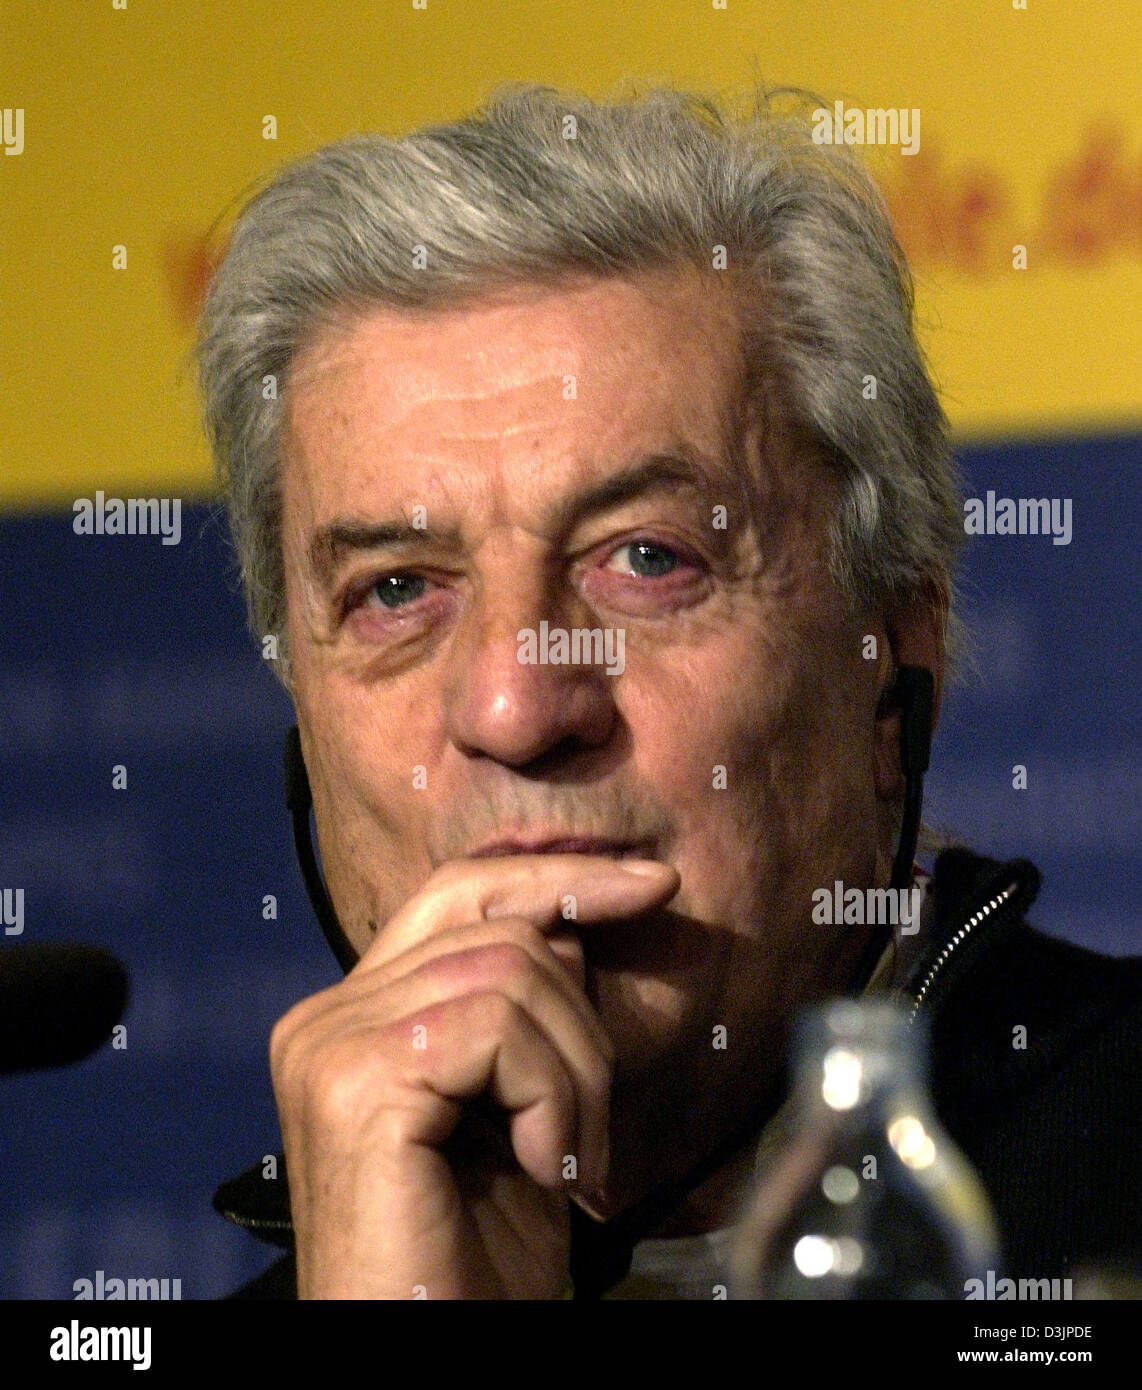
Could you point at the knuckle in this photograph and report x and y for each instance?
(515, 975)
(447, 878)
(508, 961)
(393, 1128)
(342, 1083)
(290, 1036)
(522, 933)
(495, 966)
(496, 1013)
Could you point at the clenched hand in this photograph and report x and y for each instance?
(429, 1100)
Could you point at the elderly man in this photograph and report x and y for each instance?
(644, 376)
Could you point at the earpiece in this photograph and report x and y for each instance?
(915, 694)
(912, 691)
(298, 801)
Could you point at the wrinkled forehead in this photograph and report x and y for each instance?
(575, 379)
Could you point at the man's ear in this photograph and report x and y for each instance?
(916, 637)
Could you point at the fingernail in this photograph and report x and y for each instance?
(594, 1205)
(646, 868)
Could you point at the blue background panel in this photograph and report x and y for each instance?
(122, 650)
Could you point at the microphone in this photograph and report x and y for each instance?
(57, 1004)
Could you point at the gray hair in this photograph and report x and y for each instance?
(542, 186)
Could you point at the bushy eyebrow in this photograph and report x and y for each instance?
(677, 468)
(680, 467)
(333, 542)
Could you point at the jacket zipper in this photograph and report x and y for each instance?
(257, 1223)
(1000, 900)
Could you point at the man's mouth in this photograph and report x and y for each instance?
(565, 844)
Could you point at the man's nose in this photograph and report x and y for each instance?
(517, 710)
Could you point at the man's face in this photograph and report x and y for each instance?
(571, 450)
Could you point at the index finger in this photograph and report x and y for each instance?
(533, 886)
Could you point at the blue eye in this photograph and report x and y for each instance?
(397, 590)
(649, 561)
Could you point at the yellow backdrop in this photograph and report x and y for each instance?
(142, 122)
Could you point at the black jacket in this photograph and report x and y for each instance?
(1052, 1128)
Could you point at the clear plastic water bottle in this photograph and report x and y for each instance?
(865, 1196)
